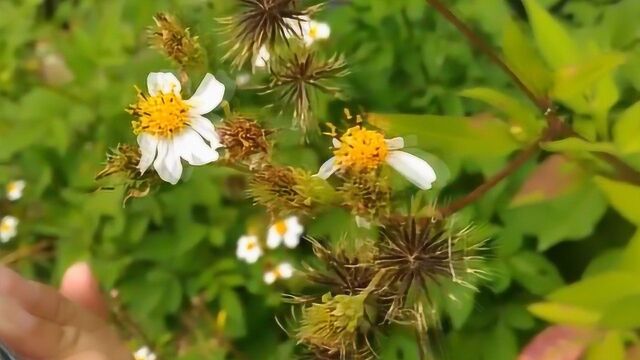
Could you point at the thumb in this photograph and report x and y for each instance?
(80, 286)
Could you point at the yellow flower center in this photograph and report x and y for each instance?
(251, 245)
(163, 115)
(313, 31)
(361, 150)
(281, 228)
(12, 187)
(5, 227)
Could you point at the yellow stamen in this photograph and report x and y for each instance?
(251, 245)
(281, 228)
(361, 150)
(163, 115)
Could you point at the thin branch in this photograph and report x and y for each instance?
(556, 127)
(509, 169)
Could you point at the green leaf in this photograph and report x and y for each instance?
(599, 292)
(611, 347)
(525, 60)
(534, 272)
(626, 131)
(463, 136)
(235, 324)
(517, 112)
(624, 197)
(623, 314)
(502, 344)
(574, 81)
(553, 41)
(570, 217)
(631, 254)
(564, 314)
(574, 144)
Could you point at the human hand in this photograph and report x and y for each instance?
(38, 322)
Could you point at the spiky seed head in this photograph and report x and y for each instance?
(342, 273)
(262, 23)
(297, 78)
(174, 40)
(243, 137)
(333, 324)
(417, 253)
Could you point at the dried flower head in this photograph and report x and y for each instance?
(243, 137)
(418, 253)
(123, 161)
(367, 195)
(333, 324)
(285, 191)
(174, 40)
(262, 23)
(296, 78)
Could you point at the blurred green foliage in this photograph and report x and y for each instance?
(564, 233)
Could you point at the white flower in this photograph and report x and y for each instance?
(282, 271)
(243, 79)
(366, 150)
(308, 30)
(170, 129)
(248, 249)
(8, 228)
(144, 353)
(15, 189)
(263, 57)
(287, 231)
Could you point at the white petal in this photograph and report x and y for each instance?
(270, 277)
(148, 146)
(167, 164)
(285, 270)
(323, 31)
(416, 170)
(253, 255)
(208, 95)
(205, 128)
(192, 147)
(336, 143)
(273, 238)
(163, 82)
(395, 144)
(291, 240)
(327, 169)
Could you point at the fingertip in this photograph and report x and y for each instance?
(80, 286)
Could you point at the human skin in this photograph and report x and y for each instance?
(39, 322)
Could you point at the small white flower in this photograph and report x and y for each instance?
(144, 353)
(170, 129)
(263, 57)
(8, 228)
(248, 249)
(308, 30)
(243, 79)
(282, 271)
(366, 150)
(288, 231)
(15, 189)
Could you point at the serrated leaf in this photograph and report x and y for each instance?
(624, 197)
(525, 60)
(463, 136)
(626, 132)
(554, 42)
